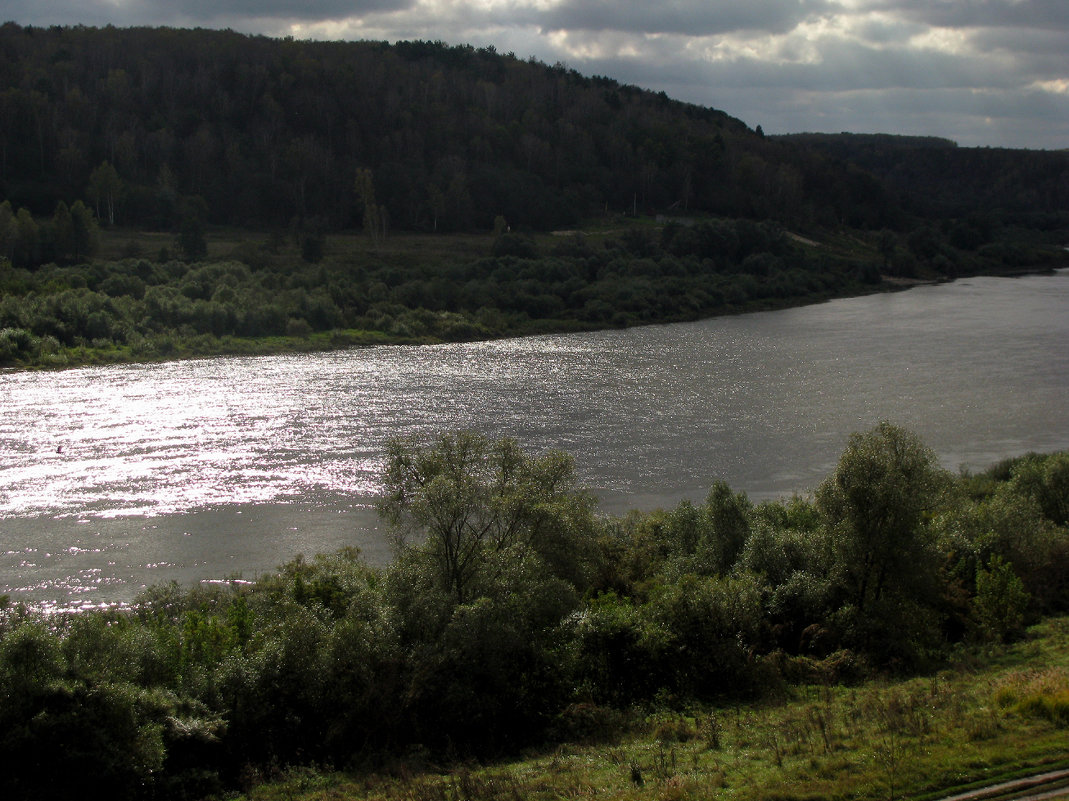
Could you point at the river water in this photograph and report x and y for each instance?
(113, 478)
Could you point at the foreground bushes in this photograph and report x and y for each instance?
(512, 614)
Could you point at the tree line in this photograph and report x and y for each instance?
(148, 308)
(934, 178)
(513, 614)
(155, 126)
(287, 290)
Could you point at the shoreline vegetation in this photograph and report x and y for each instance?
(899, 633)
(252, 295)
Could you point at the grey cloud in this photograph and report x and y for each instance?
(848, 65)
(1023, 119)
(692, 17)
(1039, 14)
(845, 66)
(855, 88)
(63, 12)
(278, 9)
(886, 31)
(163, 12)
(1027, 46)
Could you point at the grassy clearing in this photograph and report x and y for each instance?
(989, 718)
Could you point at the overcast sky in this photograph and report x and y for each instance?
(981, 72)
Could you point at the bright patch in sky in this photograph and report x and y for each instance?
(1059, 86)
(945, 40)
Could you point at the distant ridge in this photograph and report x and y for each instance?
(268, 133)
(934, 177)
(869, 139)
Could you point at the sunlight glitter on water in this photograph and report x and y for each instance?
(764, 401)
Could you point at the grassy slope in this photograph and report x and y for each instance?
(990, 717)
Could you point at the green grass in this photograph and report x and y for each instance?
(990, 717)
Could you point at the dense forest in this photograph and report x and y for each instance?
(153, 126)
(935, 178)
(256, 132)
(513, 615)
(344, 174)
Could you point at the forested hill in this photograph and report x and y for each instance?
(936, 178)
(267, 131)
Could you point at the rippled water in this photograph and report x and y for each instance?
(112, 478)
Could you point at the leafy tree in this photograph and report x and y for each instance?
(15, 344)
(886, 244)
(191, 230)
(9, 231)
(1045, 479)
(374, 215)
(105, 190)
(728, 518)
(617, 650)
(1008, 523)
(876, 505)
(312, 241)
(85, 230)
(63, 231)
(1000, 602)
(709, 623)
(489, 673)
(79, 707)
(925, 243)
(480, 504)
(27, 239)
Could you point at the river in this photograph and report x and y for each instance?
(113, 478)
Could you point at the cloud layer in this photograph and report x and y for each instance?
(981, 72)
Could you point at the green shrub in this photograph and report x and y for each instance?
(1000, 602)
(1048, 706)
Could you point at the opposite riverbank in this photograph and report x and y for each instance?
(258, 295)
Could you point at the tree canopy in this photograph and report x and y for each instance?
(474, 505)
(267, 131)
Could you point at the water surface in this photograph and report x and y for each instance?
(115, 477)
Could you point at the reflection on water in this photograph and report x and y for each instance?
(114, 477)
